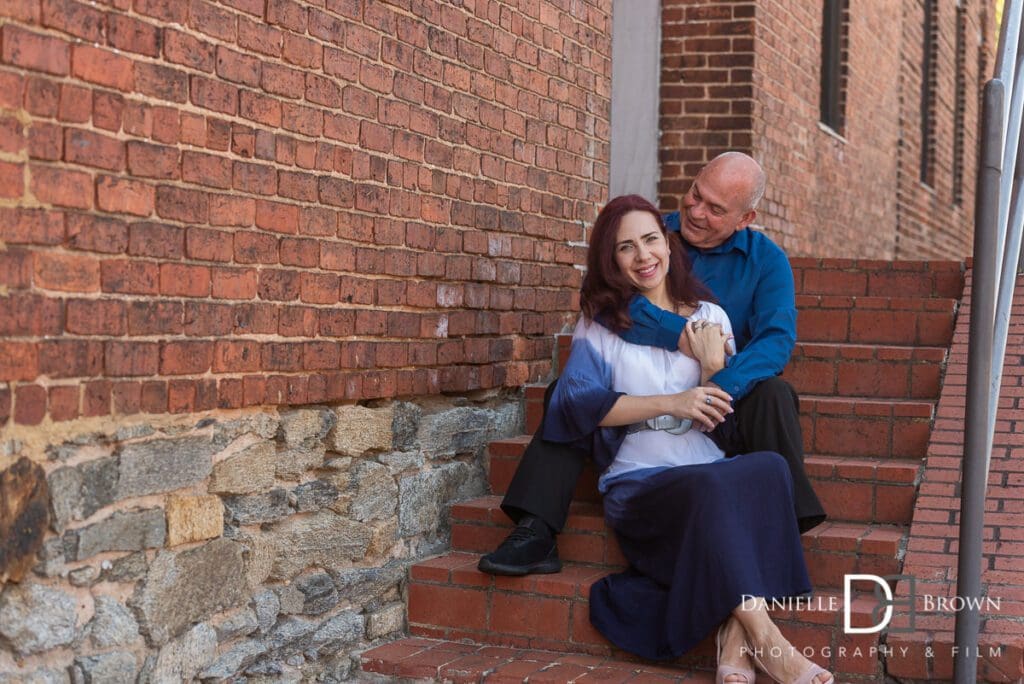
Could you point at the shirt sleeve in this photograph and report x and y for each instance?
(772, 330)
(652, 326)
(583, 396)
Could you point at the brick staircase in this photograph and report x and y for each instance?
(873, 342)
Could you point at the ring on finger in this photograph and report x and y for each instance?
(707, 400)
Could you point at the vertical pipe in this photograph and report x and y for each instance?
(979, 372)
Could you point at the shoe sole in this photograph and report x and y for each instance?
(545, 567)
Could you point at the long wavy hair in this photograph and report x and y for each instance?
(606, 290)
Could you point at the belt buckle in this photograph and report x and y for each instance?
(663, 422)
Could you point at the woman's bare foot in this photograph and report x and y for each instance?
(781, 660)
(734, 653)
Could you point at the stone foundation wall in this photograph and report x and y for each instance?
(269, 544)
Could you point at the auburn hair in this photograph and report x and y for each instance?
(607, 291)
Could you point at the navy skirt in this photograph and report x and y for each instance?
(698, 539)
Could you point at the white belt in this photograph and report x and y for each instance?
(670, 424)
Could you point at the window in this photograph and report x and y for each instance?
(929, 56)
(833, 63)
(960, 104)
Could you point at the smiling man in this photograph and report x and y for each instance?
(751, 277)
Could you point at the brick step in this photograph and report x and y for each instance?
(876, 320)
(858, 489)
(840, 426)
(455, 661)
(859, 278)
(858, 427)
(831, 549)
(449, 599)
(857, 370)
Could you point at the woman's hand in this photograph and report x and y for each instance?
(705, 406)
(709, 344)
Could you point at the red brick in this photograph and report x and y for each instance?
(29, 404)
(34, 51)
(212, 20)
(96, 317)
(281, 357)
(156, 240)
(154, 317)
(152, 161)
(124, 196)
(203, 319)
(236, 356)
(130, 277)
(102, 67)
(132, 35)
(226, 210)
(96, 398)
(184, 280)
(233, 283)
(97, 234)
(63, 403)
(12, 180)
(185, 358)
(237, 67)
(66, 272)
(447, 606)
(206, 169)
(255, 248)
(278, 285)
(45, 141)
(18, 361)
(31, 226)
(171, 11)
(276, 216)
(209, 245)
(132, 358)
(179, 204)
(92, 149)
(61, 187)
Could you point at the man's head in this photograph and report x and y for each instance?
(722, 199)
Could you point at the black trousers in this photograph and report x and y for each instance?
(767, 419)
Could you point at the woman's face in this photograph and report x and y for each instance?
(641, 252)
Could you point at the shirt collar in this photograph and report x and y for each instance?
(740, 241)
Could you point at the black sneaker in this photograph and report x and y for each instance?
(529, 548)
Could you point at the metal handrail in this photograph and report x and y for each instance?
(997, 243)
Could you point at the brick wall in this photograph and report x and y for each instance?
(707, 53)
(215, 205)
(747, 76)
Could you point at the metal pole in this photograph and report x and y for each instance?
(979, 370)
(1009, 235)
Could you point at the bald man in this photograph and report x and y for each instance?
(751, 277)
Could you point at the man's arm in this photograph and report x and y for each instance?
(654, 327)
(772, 330)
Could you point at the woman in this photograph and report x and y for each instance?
(700, 531)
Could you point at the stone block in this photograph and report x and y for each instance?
(40, 676)
(264, 425)
(291, 599)
(122, 531)
(466, 429)
(183, 588)
(344, 628)
(267, 606)
(193, 518)
(163, 465)
(187, 656)
(387, 620)
(365, 585)
(51, 558)
(322, 538)
(84, 576)
(112, 624)
(24, 516)
(234, 660)
(78, 492)
(359, 429)
(405, 425)
(239, 623)
(125, 569)
(258, 508)
(250, 470)
(259, 555)
(304, 427)
(34, 618)
(314, 495)
(319, 594)
(376, 493)
(107, 668)
(293, 463)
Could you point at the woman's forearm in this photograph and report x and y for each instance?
(631, 409)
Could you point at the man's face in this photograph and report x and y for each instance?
(715, 207)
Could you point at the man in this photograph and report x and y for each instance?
(753, 281)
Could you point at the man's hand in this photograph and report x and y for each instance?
(709, 344)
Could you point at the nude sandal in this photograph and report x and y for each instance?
(724, 671)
